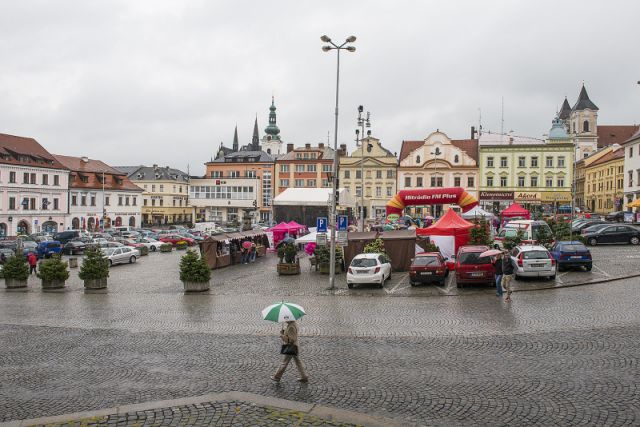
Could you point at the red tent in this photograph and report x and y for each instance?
(280, 231)
(515, 211)
(295, 227)
(449, 233)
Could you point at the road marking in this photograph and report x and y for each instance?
(604, 273)
(400, 282)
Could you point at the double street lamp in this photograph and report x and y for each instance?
(332, 215)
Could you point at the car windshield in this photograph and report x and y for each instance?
(426, 260)
(108, 251)
(574, 248)
(596, 227)
(364, 262)
(473, 258)
(535, 255)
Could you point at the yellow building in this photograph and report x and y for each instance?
(604, 181)
(379, 181)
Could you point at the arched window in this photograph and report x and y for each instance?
(456, 159)
(3, 230)
(585, 126)
(132, 221)
(75, 223)
(418, 159)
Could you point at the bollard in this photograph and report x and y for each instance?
(73, 262)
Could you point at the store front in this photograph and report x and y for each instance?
(554, 202)
(496, 201)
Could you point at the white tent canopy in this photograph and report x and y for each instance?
(312, 197)
(307, 238)
(477, 212)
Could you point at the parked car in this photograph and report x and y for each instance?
(29, 246)
(190, 236)
(592, 228)
(121, 255)
(152, 244)
(66, 236)
(533, 261)
(112, 244)
(130, 234)
(585, 224)
(570, 254)
(528, 228)
(471, 268)
(613, 234)
(428, 267)
(175, 238)
(369, 268)
(74, 247)
(131, 243)
(47, 248)
(617, 216)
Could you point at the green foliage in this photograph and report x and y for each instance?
(560, 229)
(53, 269)
(166, 247)
(281, 250)
(194, 268)
(544, 237)
(431, 247)
(511, 242)
(323, 255)
(374, 247)
(479, 234)
(181, 246)
(143, 250)
(94, 266)
(16, 268)
(290, 252)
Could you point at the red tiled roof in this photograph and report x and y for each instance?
(469, 146)
(93, 169)
(613, 155)
(408, 147)
(608, 135)
(634, 136)
(18, 150)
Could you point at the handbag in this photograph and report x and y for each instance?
(289, 349)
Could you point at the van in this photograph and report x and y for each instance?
(529, 229)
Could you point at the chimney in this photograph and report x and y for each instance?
(321, 146)
(307, 145)
(289, 148)
(84, 159)
(473, 132)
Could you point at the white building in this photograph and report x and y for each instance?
(632, 168)
(99, 192)
(222, 200)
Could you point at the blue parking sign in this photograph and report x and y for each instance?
(343, 222)
(321, 224)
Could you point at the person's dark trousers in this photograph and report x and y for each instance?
(33, 269)
(499, 284)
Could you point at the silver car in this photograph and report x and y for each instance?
(121, 255)
(533, 261)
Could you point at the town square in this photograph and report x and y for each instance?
(341, 214)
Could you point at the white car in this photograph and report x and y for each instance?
(369, 268)
(533, 261)
(121, 255)
(150, 243)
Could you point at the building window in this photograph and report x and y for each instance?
(325, 183)
(638, 176)
(12, 203)
(161, 202)
(83, 200)
(561, 161)
(456, 158)
(32, 203)
(489, 181)
(471, 182)
(534, 162)
(284, 168)
(358, 174)
(389, 191)
(284, 183)
(250, 174)
(358, 191)
(549, 162)
(213, 174)
(234, 174)
(419, 182)
(407, 181)
(120, 200)
(630, 151)
(390, 174)
(521, 181)
(436, 181)
(144, 202)
(378, 174)
(162, 188)
(534, 181)
(299, 168)
(378, 191)
(631, 177)
(56, 180)
(106, 201)
(126, 201)
(311, 168)
(93, 200)
(174, 202)
(585, 126)
(311, 183)
(135, 201)
(56, 204)
(417, 159)
(549, 182)
(25, 178)
(560, 182)
(456, 181)
(521, 161)
(12, 177)
(299, 183)
(153, 188)
(327, 168)
(503, 162)
(153, 202)
(45, 203)
(33, 178)
(347, 174)
(503, 181)
(45, 179)
(489, 162)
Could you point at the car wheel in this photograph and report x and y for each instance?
(132, 259)
(350, 285)
(593, 241)
(110, 263)
(634, 240)
(588, 267)
(412, 283)
(153, 248)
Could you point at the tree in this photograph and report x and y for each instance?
(95, 265)
(194, 268)
(511, 242)
(479, 234)
(374, 247)
(543, 237)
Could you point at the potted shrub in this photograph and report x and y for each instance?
(323, 258)
(194, 272)
(181, 245)
(53, 273)
(16, 272)
(143, 250)
(289, 263)
(94, 269)
(166, 247)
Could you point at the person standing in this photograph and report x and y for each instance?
(289, 335)
(507, 274)
(33, 262)
(497, 264)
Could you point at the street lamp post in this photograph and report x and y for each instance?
(332, 216)
(362, 122)
(435, 153)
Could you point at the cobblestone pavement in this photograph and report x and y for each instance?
(557, 357)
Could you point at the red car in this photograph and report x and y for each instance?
(131, 243)
(428, 267)
(174, 238)
(471, 269)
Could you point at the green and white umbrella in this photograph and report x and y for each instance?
(283, 312)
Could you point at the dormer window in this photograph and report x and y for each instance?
(117, 180)
(418, 159)
(456, 159)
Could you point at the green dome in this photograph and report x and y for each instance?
(272, 129)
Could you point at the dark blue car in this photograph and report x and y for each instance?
(48, 248)
(570, 254)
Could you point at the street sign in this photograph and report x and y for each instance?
(321, 224)
(321, 239)
(343, 222)
(341, 238)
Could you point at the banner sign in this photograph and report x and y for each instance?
(523, 196)
(496, 195)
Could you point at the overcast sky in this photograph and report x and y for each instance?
(143, 82)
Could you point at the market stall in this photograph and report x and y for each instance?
(448, 233)
(400, 245)
(515, 211)
(215, 250)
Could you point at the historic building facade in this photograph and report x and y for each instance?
(304, 167)
(438, 161)
(34, 188)
(604, 181)
(632, 168)
(372, 167)
(100, 196)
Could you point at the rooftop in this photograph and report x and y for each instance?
(18, 150)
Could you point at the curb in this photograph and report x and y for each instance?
(326, 413)
(572, 285)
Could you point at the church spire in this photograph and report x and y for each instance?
(584, 102)
(565, 110)
(235, 139)
(255, 140)
(272, 129)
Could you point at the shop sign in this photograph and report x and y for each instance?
(496, 195)
(525, 196)
(552, 196)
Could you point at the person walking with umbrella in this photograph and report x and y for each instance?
(497, 264)
(507, 274)
(287, 312)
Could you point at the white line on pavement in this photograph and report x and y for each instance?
(400, 282)
(604, 273)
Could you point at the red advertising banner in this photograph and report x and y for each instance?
(431, 196)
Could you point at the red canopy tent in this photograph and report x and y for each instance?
(295, 227)
(514, 211)
(448, 233)
(280, 231)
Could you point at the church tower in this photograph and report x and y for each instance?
(235, 140)
(255, 139)
(271, 142)
(583, 125)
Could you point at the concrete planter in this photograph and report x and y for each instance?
(53, 284)
(195, 286)
(286, 269)
(15, 283)
(324, 268)
(95, 283)
(73, 262)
